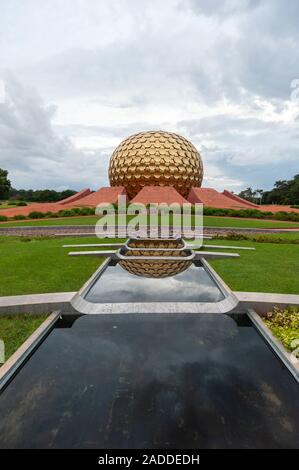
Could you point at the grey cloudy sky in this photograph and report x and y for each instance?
(78, 76)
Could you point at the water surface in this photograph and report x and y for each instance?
(151, 381)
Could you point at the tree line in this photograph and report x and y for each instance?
(30, 195)
(285, 192)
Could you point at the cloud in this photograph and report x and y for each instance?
(219, 72)
(34, 153)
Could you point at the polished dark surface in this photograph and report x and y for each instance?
(151, 381)
(118, 285)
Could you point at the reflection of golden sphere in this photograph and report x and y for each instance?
(155, 248)
(155, 158)
(155, 268)
(155, 243)
(155, 252)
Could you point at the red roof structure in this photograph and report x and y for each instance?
(83, 193)
(212, 198)
(209, 197)
(234, 197)
(159, 195)
(149, 194)
(107, 195)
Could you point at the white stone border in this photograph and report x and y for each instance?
(227, 305)
(11, 366)
(35, 304)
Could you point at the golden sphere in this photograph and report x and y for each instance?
(156, 268)
(155, 158)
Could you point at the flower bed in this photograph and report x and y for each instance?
(284, 324)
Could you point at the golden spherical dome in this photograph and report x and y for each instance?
(155, 268)
(155, 158)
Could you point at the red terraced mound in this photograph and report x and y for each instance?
(239, 199)
(158, 195)
(35, 207)
(227, 200)
(103, 195)
(155, 194)
(81, 194)
(212, 198)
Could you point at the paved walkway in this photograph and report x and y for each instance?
(35, 303)
(89, 230)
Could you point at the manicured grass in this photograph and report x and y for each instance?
(208, 222)
(42, 265)
(15, 329)
(270, 268)
(48, 222)
(246, 223)
(39, 266)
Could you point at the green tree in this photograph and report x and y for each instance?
(259, 193)
(4, 184)
(284, 192)
(247, 194)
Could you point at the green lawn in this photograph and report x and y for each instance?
(208, 222)
(47, 222)
(15, 329)
(246, 223)
(42, 265)
(270, 268)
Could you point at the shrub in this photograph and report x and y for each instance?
(233, 236)
(215, 211)
(284, 324)
(268, 214)
(36, 215)
(281, 216)
(11, 203)
(65, 213)
(37, 238)
(19, 217)
(251, 214)
(76, 210)
(87, 211)
(3, 218)
(91, 210)
(208, 211)
(21, 204)
(258, 238)
(292, 216)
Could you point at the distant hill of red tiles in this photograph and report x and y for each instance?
(149, 194)
(212, 198)
(159, 194)
(102, 195)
